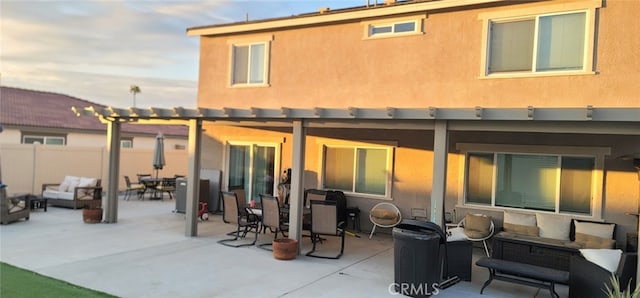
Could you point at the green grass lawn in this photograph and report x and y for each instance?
(16, 283)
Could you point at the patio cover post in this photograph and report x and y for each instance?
(439, 184)
(297, 174)
(193, 184)
(113, 145)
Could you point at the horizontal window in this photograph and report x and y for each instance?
(46, 140)
(558, 183)
(126, 143)
(393, 27)
(402, 27)
(358, 170)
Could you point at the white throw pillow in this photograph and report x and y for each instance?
(605, 258)
(553, 226)
(73, 185)
(522, 219)
(68, 182)
(601, 230)
(87, 182)
(456, 234)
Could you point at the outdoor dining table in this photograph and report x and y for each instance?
(151, 184)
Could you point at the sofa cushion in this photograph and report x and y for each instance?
(87, 182)
(456, 234)
(521, 229)
(520, 223)
(553, 226)
(69, 183)
(602, 230)
(590, 241)
(384, 214)
(54, 194)
(605, 258)
(523, 219)
(477, 225)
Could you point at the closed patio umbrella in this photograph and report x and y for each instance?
(158, 154)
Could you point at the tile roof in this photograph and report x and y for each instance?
(41, 109)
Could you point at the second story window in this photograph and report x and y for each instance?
(558, 39)
(249, 63)
(538, 44)
(393, 27)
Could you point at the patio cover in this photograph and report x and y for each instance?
(601, 120)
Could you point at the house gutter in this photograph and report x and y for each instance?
(333, 17)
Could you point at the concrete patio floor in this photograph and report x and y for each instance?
(146, 254)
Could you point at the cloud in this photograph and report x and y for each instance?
(96, 49)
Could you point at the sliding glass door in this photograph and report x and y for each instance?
(252, 167)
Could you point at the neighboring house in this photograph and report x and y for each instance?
(435, 106)
(29, 116)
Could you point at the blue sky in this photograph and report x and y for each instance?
(96, 49)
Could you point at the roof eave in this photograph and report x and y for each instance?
(317, 19)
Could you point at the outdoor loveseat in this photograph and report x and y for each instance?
(549, 240)
(74, 192)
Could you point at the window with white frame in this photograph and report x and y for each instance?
(358, 169)
(555, 182)
(538, 44)
(249, 63)
(46, 140)
(127, 143)
(548, 40)
(393, 27)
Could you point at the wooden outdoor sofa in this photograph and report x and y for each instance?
(74, 192)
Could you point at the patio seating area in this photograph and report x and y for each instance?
(146, 254)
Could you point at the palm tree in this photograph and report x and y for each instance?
(134, 90)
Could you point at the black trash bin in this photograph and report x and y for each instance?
(417, 257)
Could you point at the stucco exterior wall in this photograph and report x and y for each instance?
(333, 66)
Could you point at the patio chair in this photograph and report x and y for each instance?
(272, 218)
(478, 227)
(14, 208)
(384, 215)
(167, 185)
(232, 215)
(133, 187)
(311, 195)
(324, 221)
(147, 181)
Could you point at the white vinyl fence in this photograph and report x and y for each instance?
(25, 167)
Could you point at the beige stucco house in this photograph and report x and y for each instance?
(29, 116)
(41, 141)
(435, 106)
